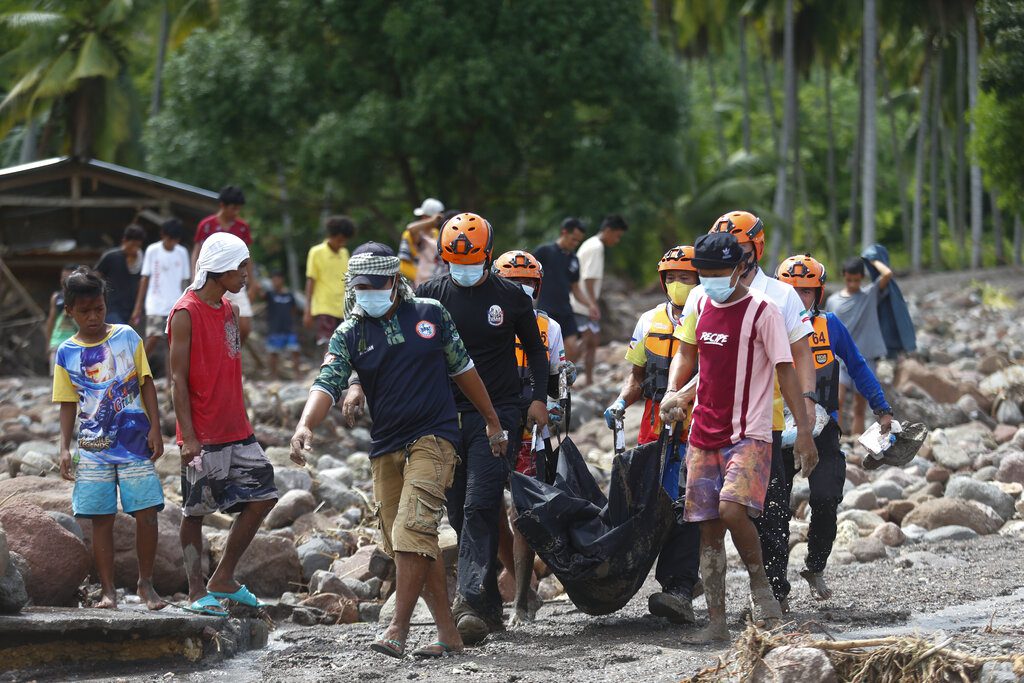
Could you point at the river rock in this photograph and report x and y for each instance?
(938, 473)
(342, 474)
(1004, 433)
(949, 533)
(68, 522)
(58, 559)
(932, 514)
(367, 562)
(868, 549)
(860, 499)
(1008, 413)
(889, 490)
(363, 590)
(290, 507)
(792, 664)
(983, 492)
(1011, 468)
(890, 534)
(269, 567)
(292, 479)
(319, 553)
(985, 473)
(846, 533)
(998, 672)
(864, 519)
(327, 582)
(337, 495)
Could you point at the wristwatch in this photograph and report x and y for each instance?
(813, 395)
(882, 411)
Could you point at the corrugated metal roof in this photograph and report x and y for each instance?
(56, 162)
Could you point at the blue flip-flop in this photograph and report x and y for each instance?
(207, 605)
(243, 596)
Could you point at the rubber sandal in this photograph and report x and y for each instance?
(207, 605)
(435, 650)
(243, 596)
(391, 647)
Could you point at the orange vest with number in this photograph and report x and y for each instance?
(543, 323)
(826, 368)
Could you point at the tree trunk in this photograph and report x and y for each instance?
(945, 151)
(744, 83)
(81, 122)
(769, 99)
(922, 141)
(291, 259)
(830, 159)
(855, 172)
(654, 21)
(997, 227)
(719, 132)
(161, 57)
(27, 152)
(933, 166)
(897, 155)
(783, 204)
(1017, 240)
(960, 220)
(972, 100)
(869, 93)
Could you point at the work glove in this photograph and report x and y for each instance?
(615, 411)
(554, 412)
(570, 371)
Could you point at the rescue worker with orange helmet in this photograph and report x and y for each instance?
(831, 340)
(490, 314)
(524, 269)
(650, 353)
(773, 523)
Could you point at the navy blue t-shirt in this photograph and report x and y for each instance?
(404, 364)
(561, 272)
(280, 306)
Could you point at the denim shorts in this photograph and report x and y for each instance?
(282, 341)
(97, 485)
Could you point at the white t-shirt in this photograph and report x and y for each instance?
(168, 273)
(798, 322)
(591, 258)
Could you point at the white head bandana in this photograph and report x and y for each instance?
(220, 253)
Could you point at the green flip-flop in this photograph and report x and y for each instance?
(390, 646)
(435, 650)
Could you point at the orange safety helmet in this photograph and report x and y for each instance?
(803, 271)
(677, 258)
(465, 238)
(745, 227)
(519, 263)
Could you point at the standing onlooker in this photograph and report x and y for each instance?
(281, 335)
(562, 276)
(121, 267)
(226, 220)
(326, 266)
(418, 247)
(587, 310)
(856, 305)
(59, 326)
(165, 273)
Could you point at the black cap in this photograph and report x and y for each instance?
(716, 250)
(373, 249)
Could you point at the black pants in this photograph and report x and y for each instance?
(475, 505)
(826, 481)
(679, 561)
(773, 523)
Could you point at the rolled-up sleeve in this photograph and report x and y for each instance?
(336, 368)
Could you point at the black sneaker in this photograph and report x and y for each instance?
(674, 606)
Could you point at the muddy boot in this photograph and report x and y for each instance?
(712, 572)
(766, 610)
(472, 627)
(816, 580)
(674, 605)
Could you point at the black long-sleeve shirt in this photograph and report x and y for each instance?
(489, 317)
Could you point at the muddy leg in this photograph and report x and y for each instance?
(242, 532)
(712, 573)
(191, 535)
(435, 594)
(744, 536)
(526, 602)
(146, 532)
(103, 555)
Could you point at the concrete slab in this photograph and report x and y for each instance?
(42, 637)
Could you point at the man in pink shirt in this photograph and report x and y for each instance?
(741, 338)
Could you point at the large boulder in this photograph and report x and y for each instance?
(367, 562)
(289, 508)
(49, 493)
(793, 664)
(13, 595)
(1011, 468)
(991, 495)
(269, 567)
(59, 561)
(337, 495)
(937, 512)
(939, 383)
(292, 478)
(338, 608)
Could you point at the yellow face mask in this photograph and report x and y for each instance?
(678, 291)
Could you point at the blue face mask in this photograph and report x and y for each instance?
(467, 276)
(375, 302)
(719, 288)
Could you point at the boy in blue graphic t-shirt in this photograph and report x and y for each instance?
(102, 377)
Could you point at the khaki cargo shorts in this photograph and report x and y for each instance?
(409, 486)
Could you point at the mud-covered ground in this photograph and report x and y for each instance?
(969, 590)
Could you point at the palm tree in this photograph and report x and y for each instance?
(178, 18)
(72, 62)
(782, 205)
(869, 162)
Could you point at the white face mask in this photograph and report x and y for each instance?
(467, 276)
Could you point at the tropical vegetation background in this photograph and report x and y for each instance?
(841, 122)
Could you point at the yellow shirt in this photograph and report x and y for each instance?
(327, 269)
